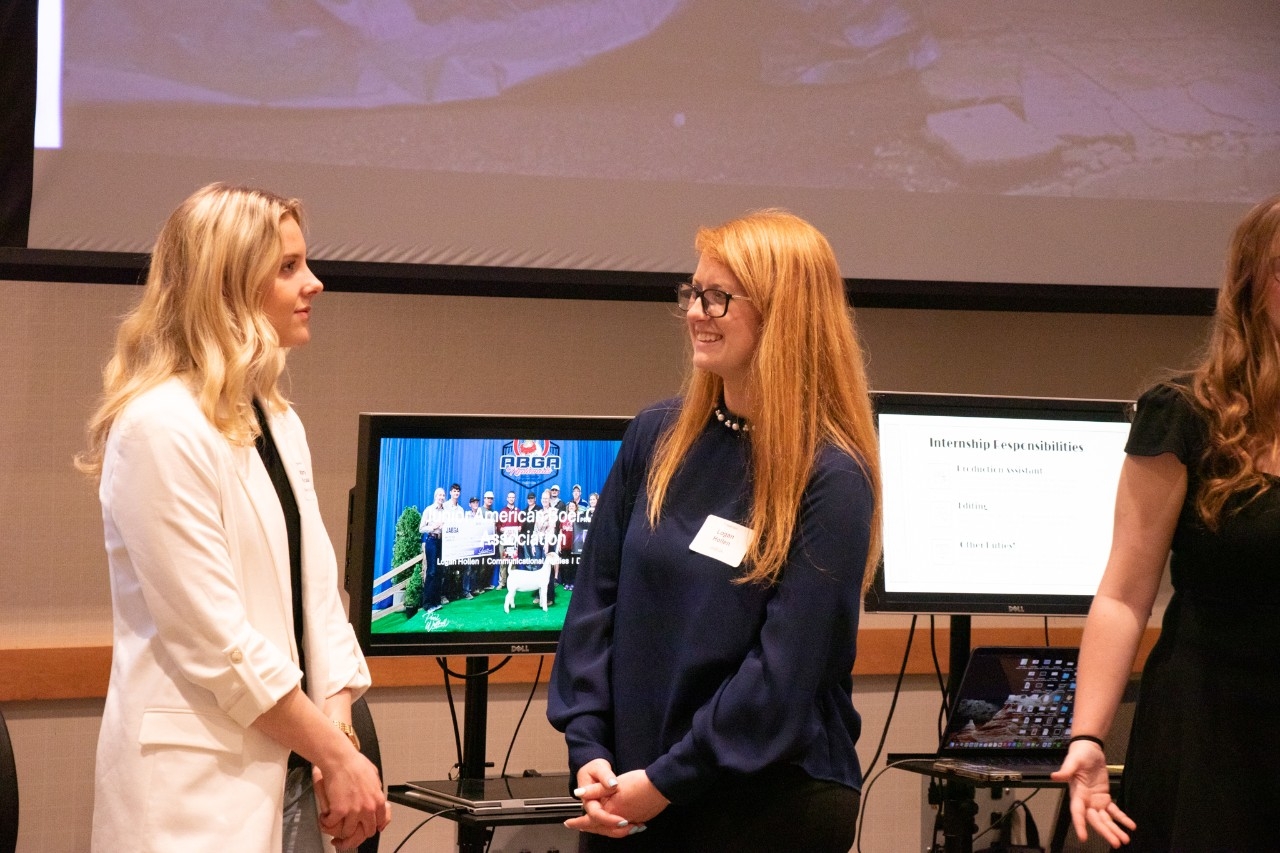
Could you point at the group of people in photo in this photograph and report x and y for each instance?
(547, 530)
(718, 718)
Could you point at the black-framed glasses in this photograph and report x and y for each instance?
(715, 302)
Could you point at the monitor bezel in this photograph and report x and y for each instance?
(881, 600)
(362, 520)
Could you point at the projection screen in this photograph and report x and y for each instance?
(1104, 142)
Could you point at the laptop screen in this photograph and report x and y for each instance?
(1017, 699)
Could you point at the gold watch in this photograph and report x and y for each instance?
(350, 731)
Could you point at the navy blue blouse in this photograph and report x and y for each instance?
(665, 664)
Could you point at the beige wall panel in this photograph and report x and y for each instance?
(376, 352)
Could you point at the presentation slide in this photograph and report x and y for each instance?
(985, 505)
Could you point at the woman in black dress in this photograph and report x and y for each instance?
(1202, 479)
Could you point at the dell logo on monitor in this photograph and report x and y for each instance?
(1017, 608)
(517, 649)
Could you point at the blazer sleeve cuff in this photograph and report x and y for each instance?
(256, 678)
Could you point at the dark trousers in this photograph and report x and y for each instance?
(430, 571)
(473, 576)
(451, 576)
(780, 810)
(568, 569)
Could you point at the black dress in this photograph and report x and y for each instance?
(1203, 768)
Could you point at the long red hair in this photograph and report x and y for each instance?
(807, 377)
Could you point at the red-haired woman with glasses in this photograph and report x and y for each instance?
(703, 682)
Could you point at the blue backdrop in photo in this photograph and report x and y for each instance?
(411, 469)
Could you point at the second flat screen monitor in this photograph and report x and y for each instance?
(996, 504)
(464, 578)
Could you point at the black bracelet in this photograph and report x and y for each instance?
(1091, 738)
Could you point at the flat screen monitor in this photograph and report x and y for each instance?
(996, 504)
(397, 607)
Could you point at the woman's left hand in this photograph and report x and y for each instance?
(618, 809)
(1089, 786)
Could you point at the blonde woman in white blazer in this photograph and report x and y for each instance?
(205, 701)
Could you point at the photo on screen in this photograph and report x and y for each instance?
(467, 533)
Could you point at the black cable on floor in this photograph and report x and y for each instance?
(453, 714)
(443, 663)
(512, 745)
(944, 708)
(405, 840)
(866, 794)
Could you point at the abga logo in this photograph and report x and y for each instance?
(530, 463)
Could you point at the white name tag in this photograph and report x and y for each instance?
(723, 540)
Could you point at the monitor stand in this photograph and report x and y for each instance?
(957, 809)
(958, 650)
(474, 832)
(475, 723)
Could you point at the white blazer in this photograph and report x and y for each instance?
(203, 630)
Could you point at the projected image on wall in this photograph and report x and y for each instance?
(597, 134)
(967, 96)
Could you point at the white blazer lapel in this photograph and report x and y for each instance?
(266, 507)
(298, 469)
(291, 447)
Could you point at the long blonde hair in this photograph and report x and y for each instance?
(807, 377)
(1237, 386)
(201, 315)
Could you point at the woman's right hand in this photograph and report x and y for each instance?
(1085, 772)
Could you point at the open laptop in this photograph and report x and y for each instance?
(511, 795)
(1011, 717)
